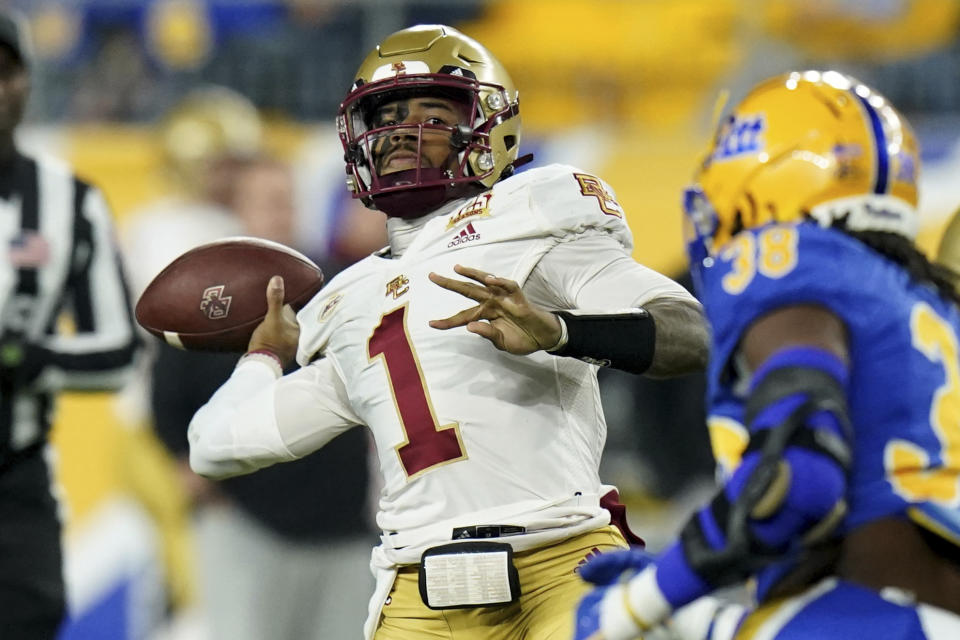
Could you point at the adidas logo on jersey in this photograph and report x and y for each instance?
(467, 234)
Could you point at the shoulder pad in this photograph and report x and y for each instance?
(566, 200)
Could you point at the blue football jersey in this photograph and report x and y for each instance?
(904, 392)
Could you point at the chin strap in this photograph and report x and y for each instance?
(511, 168)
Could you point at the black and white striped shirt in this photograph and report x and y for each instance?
(62, 289)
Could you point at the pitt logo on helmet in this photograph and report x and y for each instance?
(738, 136)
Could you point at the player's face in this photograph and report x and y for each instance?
(397, 149)
(14, 84)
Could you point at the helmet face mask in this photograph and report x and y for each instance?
(414, 65)
(807, 145)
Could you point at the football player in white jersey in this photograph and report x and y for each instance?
(489, 448)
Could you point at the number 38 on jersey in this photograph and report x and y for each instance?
(772, 253)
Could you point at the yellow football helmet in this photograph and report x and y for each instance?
(430, 59)
(817, 145)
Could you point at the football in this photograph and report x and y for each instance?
(212, 297)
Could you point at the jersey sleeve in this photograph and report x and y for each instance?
(595, 272)
(256, 419)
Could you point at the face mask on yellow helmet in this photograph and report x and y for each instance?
(805, 145)
(437, 61)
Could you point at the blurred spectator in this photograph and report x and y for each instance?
(202, 139)
(275, 65)
(292, 567)
(105, 60)
(262, 199)
(117, 84)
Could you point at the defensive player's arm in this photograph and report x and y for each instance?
(788, 491)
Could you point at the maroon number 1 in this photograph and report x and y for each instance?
(427, 443)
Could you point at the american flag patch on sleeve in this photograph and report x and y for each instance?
(29, 249)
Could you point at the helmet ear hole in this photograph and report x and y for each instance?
(354, 154)
(737, 223)
(510, 142)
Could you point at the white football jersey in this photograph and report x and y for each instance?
(465, 432)
(467, 435)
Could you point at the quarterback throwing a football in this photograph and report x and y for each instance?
(489, 448)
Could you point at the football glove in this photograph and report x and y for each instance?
(602, 614)
(606, 568)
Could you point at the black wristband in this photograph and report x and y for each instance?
(623, 341)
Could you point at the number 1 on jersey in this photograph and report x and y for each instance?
(427, 443)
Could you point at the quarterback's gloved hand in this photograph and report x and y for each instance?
(607, 568)
(20, 361)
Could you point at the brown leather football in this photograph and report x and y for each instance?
(212, 297)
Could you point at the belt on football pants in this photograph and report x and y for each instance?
(532, 520)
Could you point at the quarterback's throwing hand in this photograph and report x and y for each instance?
(279, 331)
(503, 315)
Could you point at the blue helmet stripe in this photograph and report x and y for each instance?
(880, 141)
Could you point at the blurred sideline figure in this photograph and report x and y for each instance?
(267, 567)
(489, 444)
(834, 388)
(948, 252)
(59, 257)
(202, 138)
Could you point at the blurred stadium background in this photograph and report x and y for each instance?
(623, 88)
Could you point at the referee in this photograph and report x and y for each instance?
(58, 257)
